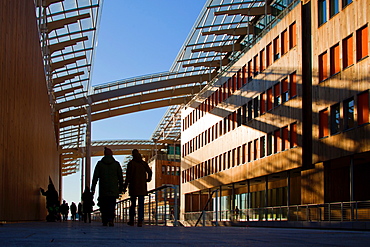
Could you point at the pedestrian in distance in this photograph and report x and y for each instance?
(109, 173)
(87, 204)
(138, 174)
(64, 208)
(73, 211)
(79, 211)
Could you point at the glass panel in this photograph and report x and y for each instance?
(335, 119)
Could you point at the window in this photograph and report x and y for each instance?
(244, 114)
(346, 2)
(334, 7)
(255, 107)
(323, 123)
(322, 12)
(285, 138)
(269, 99)
(363, 108)
(249, 151)
(262, 60)
(284, 42)
(277, 96)
(255, 149)
(268, 55)
(276, 49)
(293, 135)
(347, 51)
(362, 43)
(250, 70)
(239, 79)
(334, 60)
(164, 169)
(250, 110)
(269, 143)
(285, 90)
(335, 119)
(293, 85)
(238, 151)
(323, 66)
(262, 147)
(244, 153)
(292, 35)
(277, 141)
(348, 113)
(244, 75)
(255, 65)
(239, 117)
(263, 103)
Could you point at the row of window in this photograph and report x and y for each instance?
(281, 92)
(271, 143)
(330, 7)
(262, 60)
(362, 51)
(346, 120)
(171, 170)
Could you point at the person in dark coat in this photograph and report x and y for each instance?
(73, 211)
(52, 202)
(79, 211)
(64, 208)
(138, 174)
(109, 173)
(87, 204)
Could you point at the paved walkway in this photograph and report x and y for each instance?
(94, 234)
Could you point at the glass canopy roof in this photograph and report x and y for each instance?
(224, 30)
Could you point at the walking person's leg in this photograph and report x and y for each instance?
(132, 211)
(111, 210)
(140, 211)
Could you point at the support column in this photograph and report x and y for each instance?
(88, 145)
(266, 196)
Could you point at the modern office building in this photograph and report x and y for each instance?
(269, 99)
(287, 121)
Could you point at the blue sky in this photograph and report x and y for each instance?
(135, 38)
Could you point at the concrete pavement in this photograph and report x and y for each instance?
(94, 234)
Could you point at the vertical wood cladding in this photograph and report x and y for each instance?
(28, 149)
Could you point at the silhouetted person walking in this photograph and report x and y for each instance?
(87, 204)
(64, 208)
(52, 202)
(138, 174)
(73, 211)
(79, 211)
(109, 173)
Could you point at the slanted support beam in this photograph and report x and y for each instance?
(61, 64)
(64, 92)
(61, 45)
(241, 31)
(214, 63)
(62, 79)
(225, 48)
(63, 22)
(246, 11)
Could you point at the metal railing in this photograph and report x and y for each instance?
(338, 211)
(161, 207)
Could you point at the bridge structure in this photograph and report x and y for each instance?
(68, 36)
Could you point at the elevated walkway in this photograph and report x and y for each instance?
(84, 234)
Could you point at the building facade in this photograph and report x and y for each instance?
(288, 122)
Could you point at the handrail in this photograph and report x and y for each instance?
(334, 211)
(163, 208)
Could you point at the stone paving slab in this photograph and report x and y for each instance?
(94, 234)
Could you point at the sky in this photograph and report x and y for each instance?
(135, 38)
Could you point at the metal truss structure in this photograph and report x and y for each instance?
(224, 30)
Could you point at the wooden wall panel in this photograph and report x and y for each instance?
(28, 147)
